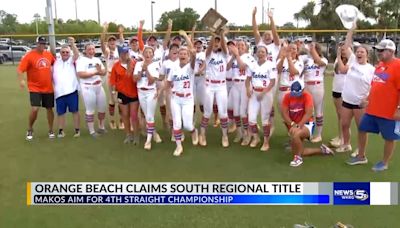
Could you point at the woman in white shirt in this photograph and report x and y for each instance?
(359, 74)
(259, 85)
(290, 68)
(146, 73)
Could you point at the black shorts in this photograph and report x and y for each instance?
(122, 99)
(350, 106)
(336, 94)
(45, 100)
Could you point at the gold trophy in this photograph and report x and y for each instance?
(214, 21)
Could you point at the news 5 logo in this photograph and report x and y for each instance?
(351, 193)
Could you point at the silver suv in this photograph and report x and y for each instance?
(13, 52)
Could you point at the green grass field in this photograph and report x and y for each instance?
(108, 159)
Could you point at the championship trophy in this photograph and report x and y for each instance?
(214, 21)
(348, 14)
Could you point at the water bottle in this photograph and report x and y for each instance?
(397, 128)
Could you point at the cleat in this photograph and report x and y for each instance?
(344, 149)
(380, 166)
(265, 147)
(51, 135)
(239, 137)
(147, 145)
(178, 151)
(94, 135)
(316, 139)
(326, 150)
(225, 141)
(112, 124)
(297, 161)
(77, 134)
(246, 140)
(61, 134)
(195, 137)
(202, 140)
(355, 153)
(128, 139)
(357, 161)
(157, 138)
(121, 125)
(101, 131)
(337, 142)
(255, 141)
(136, 140)
(29, 135)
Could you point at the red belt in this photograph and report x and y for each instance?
(239, 80)
(215, 81)
(182, 94)
(94, 83)
(258, 89)
(229, 79)
(313, 82)
(284, 88)
(146, 89)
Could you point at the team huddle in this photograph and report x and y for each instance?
(226, 80)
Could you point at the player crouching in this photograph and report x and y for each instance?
(297, 109)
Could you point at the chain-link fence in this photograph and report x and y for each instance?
(13, 47)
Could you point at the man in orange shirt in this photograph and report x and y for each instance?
(121, 81)
(383, 106)
(37, 64)
(297, 109)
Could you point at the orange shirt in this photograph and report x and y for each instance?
(384, 94)
(297, 105)
(38, 68)
(123, 81)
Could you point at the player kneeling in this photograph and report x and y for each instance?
(297, 109)
(181, 79)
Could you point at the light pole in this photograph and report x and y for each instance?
(98, 11)
(37, 17)
(215, 5)
(179, 5)
(152, 19)
(76, 11)
(263, 12)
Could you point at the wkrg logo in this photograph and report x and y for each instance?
(351, 193)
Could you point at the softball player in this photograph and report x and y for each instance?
(240, 65)
(216, 60)
(290, 68)
(261, 96)
(199, 80)
(181, 79)
(165, 70)
(110, 52)
(229, 85)
(90, 71)
(314, 68)
(146, 73)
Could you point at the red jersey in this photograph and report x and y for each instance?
(297, 105)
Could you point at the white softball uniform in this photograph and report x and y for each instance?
(314, 82)
(272, 50)
(216, 84)
(182, 101)
(238, 94)
(286, 79)
(358, 82)
(260, 79)
(146, 91)
(199, 80)
(92, 91)
(135, 55)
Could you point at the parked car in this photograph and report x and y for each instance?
(13, 52)
(305, 39)
(2, 58)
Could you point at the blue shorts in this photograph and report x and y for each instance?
(374, 124)
(70, 101)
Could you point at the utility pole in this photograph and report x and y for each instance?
(267, 12)
(37, 17)
(98, 11)
(263, 12)
(152, 18)
(50, 22)
(215, 5)
(76, 11)
(55, 9)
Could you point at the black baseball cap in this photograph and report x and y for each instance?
(41, 40)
